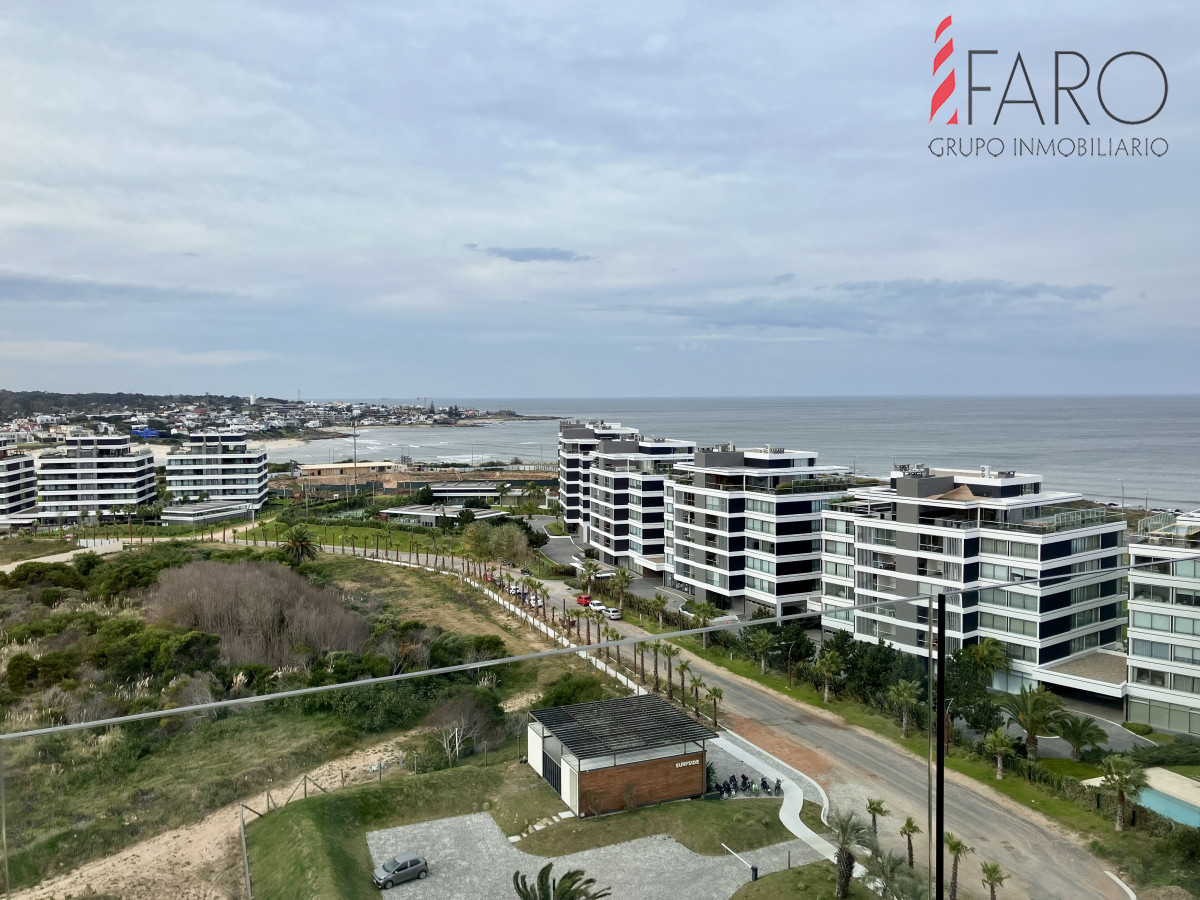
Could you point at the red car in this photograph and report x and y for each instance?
(583, 599)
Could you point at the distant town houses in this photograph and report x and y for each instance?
(175, 422)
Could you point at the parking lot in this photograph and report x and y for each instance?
(470, 857)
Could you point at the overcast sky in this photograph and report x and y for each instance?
(601, 199)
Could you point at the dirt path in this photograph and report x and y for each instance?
(203, 861)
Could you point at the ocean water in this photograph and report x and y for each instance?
(1145, 447)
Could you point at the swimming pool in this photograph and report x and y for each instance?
(1171, 807)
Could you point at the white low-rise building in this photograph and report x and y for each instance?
(93, 477)
(975, 533)
(1164, 624)
(18, 483)
(218, 466)
(744, 526)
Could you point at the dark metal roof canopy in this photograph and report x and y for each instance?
(622, 725)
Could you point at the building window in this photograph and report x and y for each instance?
(1018, 549)
(1152, 649)
(1151, 677)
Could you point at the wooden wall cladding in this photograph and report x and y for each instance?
(639, 784)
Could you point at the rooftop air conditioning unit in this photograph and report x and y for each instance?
(985, 471)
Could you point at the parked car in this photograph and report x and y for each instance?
(525, 571)
(598, 605)
(583, 599)
(404, 867)
(536, 602)
(612, 612)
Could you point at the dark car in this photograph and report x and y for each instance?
(404, 867)
(526, 572)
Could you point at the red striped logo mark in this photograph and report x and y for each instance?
(946, 89)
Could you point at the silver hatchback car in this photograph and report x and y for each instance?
(404, 867)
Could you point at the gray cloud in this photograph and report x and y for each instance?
(34, 287)
(909, 306)
(534, 254)
(785, 278)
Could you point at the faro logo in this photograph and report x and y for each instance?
(1070, 87)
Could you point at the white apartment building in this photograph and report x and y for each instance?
(744, 526)
(93, 476)
(218, 466)
(577, 445)
(18, 482)
(627, 509)
(1164, 624)
(934, 531)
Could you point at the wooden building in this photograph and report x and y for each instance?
(618, 754)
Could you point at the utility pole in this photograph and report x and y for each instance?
(354, 424)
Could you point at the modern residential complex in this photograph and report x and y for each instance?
(744, 526)
(577, 445)
(18, 482)
(93, 477)
(627, 511)
(218, 466)
(1041, 568)
(1164, 623)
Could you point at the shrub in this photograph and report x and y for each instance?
(568, 689)
(22, 672)
(263, 612)
(1138, 728)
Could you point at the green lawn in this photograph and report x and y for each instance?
(17, 549)
(700, 825)
(317, 847)
(810, 815)
(1187, 771)
(1079, 770)
(816, 881)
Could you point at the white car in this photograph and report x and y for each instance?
(598, 605)
(612, 612)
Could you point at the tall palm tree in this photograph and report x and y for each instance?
(683, 668)
(588, 571)
(876, 809)
(705, 613)
(907, 830)
(828, 667)
(1124, 777)
(1080, 732)
(610, 634)
(620, 583)
(298, 545)
(759, 642)
(669, 652)
(993, 877)
(657, 605)
(697, 685)
(572, 886)
(848, 832)
(503, 489)
(904, 695)
(1036, 711)
(957, 848)
(714, 694)
(998, 745)
(655, 647)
